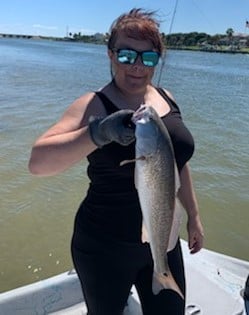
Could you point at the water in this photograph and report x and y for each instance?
(39, 79)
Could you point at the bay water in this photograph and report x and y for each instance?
(38, 81)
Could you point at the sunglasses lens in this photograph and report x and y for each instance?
(150, 58)
(127, 56)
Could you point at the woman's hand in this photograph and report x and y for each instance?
(116, 127)
(188, 199)
(195, 234)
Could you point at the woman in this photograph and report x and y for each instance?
(107, 250)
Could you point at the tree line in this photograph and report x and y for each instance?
(177, 40)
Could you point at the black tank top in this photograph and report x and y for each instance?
(111, 207)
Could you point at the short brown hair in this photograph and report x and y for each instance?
(137, 24)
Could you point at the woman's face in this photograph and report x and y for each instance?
(132, 78)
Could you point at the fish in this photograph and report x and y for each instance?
(157, 182)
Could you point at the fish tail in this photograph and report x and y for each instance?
(165, 281)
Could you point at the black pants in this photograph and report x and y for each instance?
(108, 269)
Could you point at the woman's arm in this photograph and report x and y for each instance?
(74, 137)
(188, 199)
(66, 142)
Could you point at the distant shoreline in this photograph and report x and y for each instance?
(224, 49)
(214, 50)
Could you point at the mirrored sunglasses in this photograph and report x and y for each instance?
(129, 56)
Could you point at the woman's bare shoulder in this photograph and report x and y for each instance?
(77, 115)
(84, 107)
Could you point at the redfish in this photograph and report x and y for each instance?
(157, 182)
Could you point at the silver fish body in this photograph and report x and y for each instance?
(156, 183)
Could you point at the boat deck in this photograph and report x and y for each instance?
(214, 286)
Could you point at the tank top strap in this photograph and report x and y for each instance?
(110, 107)
(171, 102)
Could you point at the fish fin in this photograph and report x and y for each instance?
(127, 162)
(145, 236)
(132, 161)
(161, 281)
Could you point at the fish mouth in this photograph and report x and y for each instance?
(140, 114)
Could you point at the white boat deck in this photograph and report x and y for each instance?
(214, 285)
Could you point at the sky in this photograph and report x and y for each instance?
(59, 17)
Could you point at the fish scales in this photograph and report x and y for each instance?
(155, 179)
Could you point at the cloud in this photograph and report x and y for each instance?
(45, 27)
(11, 28)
